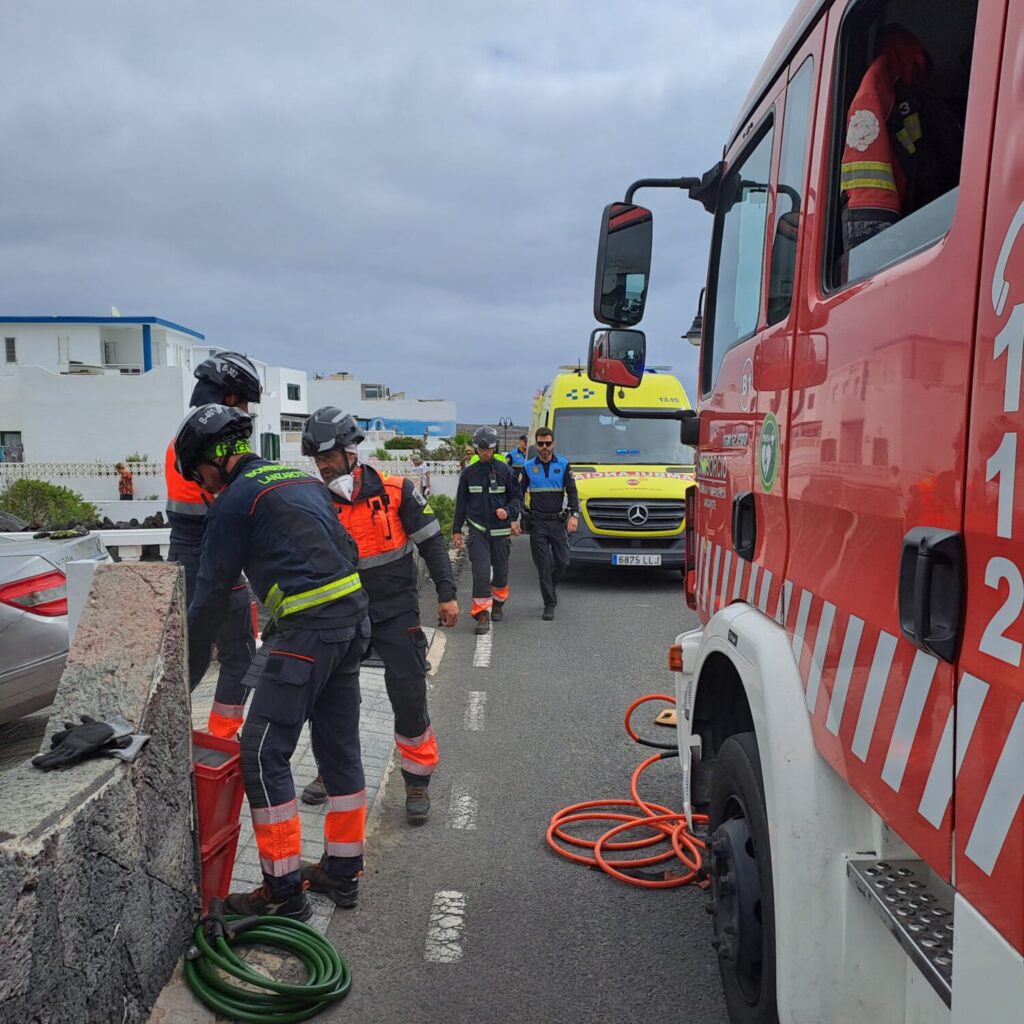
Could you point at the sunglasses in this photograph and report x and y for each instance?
(544, 444)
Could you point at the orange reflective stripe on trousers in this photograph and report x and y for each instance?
(419, 755)
(278, 838)
(481, 604)
(225, 720)
(499, 593)
(345, 824)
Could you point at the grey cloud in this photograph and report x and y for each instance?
(407, 191)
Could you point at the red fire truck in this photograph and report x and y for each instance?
(852, 709)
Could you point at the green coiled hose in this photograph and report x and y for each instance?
(328, 976)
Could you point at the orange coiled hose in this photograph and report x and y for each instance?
(665, 824)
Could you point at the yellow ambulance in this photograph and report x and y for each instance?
(632, 474)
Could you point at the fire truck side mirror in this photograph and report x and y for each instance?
(617, 357)
(623, 264)
(689, 429)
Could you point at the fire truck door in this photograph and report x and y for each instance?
(989, 728)
(878, 449)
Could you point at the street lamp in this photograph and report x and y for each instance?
(504, 423)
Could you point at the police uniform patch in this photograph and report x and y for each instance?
(536, 469)
(864, 129)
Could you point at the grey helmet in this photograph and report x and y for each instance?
(232, 372)
(329, 428)
(485, 437)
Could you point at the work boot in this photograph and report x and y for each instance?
(343, 891)
(496, 611)
(549, 612)
(483, 623)
(316, 792)
(262, 902)
(417, 802)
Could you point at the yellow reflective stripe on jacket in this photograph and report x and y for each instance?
(867, 174)
(279, 605)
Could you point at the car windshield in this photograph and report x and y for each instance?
(595, 435)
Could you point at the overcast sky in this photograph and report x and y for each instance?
(407, 191)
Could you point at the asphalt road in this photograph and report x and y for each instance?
(470, 917)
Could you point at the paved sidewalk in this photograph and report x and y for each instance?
(176, 1004)
(376, 734)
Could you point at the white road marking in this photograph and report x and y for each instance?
(841, 686)
(908, 718)
(444, 929)
(1002, 798)
(482, 654)
(885, 650)
(435, 652)
(474, 718)
(462, 807)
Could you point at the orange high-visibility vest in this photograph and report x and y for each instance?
(183, 496)
(375, 525)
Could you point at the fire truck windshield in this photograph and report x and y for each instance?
(595, 435)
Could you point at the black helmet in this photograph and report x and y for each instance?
(485, 437)
(233, 373)
(329, 428)
(207, 429)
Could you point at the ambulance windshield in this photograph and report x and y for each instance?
(595, 435)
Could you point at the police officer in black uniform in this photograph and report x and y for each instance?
(279, 525)
(554, 513)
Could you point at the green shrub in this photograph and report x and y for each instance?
(451, 449)
(404, 444)
(384, 456)
(444, 508)
(136, 457)
(47, 506)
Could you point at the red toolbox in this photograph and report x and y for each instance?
(217, 764)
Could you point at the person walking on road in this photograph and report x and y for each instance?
(554, 512)
(230, 379)
(125, 485)
(488, 499)
(279, 525)
(387, 516)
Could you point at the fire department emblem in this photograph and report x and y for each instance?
(863, 130)
(768, 452)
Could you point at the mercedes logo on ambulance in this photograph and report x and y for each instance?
(637, 515)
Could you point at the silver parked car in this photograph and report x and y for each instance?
(34, 617)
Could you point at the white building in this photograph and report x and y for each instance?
(99, 389)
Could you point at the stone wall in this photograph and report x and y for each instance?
(98, 863)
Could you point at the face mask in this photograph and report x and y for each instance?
(343, 486)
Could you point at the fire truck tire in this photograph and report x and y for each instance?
(741, 883)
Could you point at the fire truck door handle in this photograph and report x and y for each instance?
(931, 590)
(744, 525)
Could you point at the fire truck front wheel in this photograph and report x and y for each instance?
(741, 883)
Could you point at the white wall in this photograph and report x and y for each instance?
(37, 344)
(344, 394)
(81, 418)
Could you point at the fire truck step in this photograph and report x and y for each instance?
(917, 908)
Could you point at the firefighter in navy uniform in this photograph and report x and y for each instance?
(278, 524)
(386, 516)
(226, 378)
(488, 499)
(554, 513)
